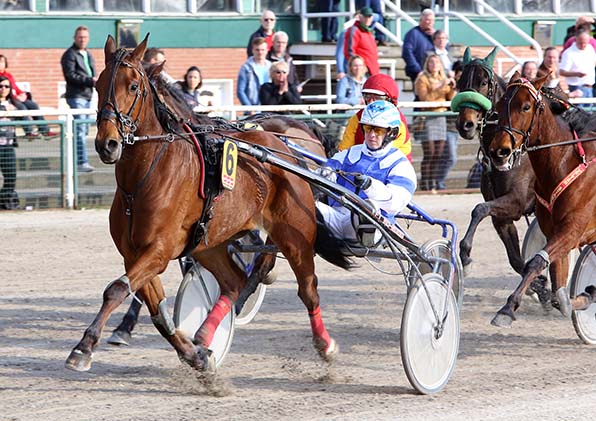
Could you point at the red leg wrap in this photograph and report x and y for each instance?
(216, 315)
(317, 326)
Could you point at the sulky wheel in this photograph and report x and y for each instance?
(196, 296)
(441, 248)
(428, 352)
(584, 274)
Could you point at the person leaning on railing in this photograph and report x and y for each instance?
(8, 158)
(377, 87)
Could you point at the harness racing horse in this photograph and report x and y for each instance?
(565, 170)
(159, 200)
(508, 195)
(296, 131)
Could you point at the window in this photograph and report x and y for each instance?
(72, 5)
(10, 5)
(537, 6)
(277, 6)
(576, 6)
(168, 6)
(216, 5)
(122, 5)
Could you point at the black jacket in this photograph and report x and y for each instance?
(78, 82)
(269, 95)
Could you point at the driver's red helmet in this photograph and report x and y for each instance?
(382, 84)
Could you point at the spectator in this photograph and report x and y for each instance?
(376, 171)
(253, 73)
(529, 70)
(279, 52)
(8, 158)
(341, 64)
(328, 25)
(377, 87)
(190, 87)
(349, 88)
(583, 23)
(450, 150)
(375, 5)
(279, 91)
(440, 48)
(157, 56)
(25, 99)
(265, 31)
(359, 41)
(550, 66)
(577, 65)
(433, 85)
(417, 42)
(78, 68)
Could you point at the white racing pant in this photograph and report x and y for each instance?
(338, 220)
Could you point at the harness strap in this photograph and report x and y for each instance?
(190, 131)
(570, 178)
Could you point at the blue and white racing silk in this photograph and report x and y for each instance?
(393, 176)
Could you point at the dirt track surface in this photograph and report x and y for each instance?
(55, 265)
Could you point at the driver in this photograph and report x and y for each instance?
(375, 170)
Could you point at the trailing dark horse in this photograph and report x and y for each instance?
(508, 195)
(565, 168)
(160, 202)
(308, 137)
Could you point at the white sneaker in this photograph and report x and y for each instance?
(85, 167)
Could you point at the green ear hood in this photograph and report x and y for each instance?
(471, 100)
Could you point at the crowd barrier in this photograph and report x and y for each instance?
(47, 174)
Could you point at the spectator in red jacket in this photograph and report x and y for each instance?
(360, 41)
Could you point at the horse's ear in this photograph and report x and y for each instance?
(515, 76)
(139, 51)
(490, 58)
(467, 55)
(156, 70)
(109, 49)
(539, 82)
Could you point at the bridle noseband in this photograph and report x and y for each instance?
(124, 122)
(518, 151)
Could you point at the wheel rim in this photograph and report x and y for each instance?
(584, 275)
(429, 361)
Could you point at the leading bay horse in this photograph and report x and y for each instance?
(299, 132)
(565, 169)
(159, 201)
(508, 195)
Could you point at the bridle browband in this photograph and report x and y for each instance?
(124, 122)
(492, 82)
(518, 151)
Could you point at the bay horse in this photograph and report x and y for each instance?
(309, 138)
(565, 169)
(159, 200)
(508, 195)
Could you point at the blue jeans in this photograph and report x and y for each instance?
(82, 129)
(449, 158)
(586, 91)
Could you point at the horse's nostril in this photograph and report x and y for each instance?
(469, 125)
(112, 145)
(503, 152)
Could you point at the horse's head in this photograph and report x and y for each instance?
(125, 99)
(477, 88)
(519, 109)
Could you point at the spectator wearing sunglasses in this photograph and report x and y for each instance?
(279, 91)
(8, 158)
(265, 31)
(279, 52)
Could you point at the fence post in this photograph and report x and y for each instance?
(68, 176)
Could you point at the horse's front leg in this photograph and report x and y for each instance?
(122, 334)
(506, 315)
(114, 294)
(507, 232)
(480, 211)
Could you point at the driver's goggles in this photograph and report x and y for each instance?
(374, 97)
(379, 131)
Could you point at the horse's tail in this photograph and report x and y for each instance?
(329, 247)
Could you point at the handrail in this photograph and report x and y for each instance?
(305, 15)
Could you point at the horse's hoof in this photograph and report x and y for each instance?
(119, 337)
(328, 352)
(502, 320)
(270, 278)
(78, 361)
(564, 302)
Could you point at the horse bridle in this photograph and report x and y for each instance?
(518, 151)
(124, 122)
(490, 94)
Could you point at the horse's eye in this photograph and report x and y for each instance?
(526, 107)
(484, 82)
(134, 87)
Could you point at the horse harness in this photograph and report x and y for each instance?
(569, 178)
